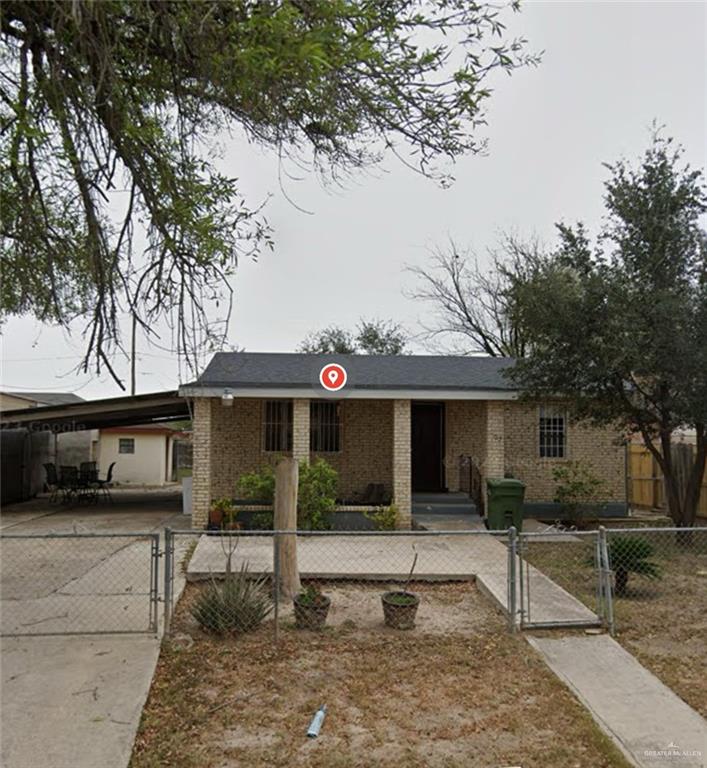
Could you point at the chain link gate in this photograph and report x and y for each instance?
(563, 579)
(79, 583)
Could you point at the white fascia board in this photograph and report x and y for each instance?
(351, 394)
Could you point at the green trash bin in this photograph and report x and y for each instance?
(505, 503)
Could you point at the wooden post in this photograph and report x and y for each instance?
(285, 519)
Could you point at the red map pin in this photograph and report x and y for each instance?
(332, 377)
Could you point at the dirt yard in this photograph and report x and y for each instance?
(663, 622)
(455, 691)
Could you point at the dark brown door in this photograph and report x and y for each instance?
(426, 447)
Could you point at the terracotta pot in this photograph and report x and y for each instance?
(215, 517)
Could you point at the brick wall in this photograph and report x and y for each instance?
(228, 442)
(500, 436)
(465, 430)
(366, 455)
(596, 446)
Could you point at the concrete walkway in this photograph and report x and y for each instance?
(76, 701)
(472, 554)
(651, 725)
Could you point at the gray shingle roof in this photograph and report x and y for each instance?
(244, 370)
(50, 398)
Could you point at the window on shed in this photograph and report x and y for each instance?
(277, 422)
(325, 426)
(553, 433)
(126, 445)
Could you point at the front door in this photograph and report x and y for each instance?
(427, 452)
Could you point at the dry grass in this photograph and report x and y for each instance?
(469, 697)
(665, 625)
(662, 622)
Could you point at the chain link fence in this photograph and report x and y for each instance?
(617, 578)
(657, 572)
(620, 579)
(78, 583)
(362, 579)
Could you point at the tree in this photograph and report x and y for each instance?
(372, 337)
(110, 117)
(620, 328)
(474, 306)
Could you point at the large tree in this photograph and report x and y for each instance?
(371, 337)
(110, 111)
(473, 306)
(619, 327)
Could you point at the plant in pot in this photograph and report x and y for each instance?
(311, 608)
(400, 606)
(222, 515)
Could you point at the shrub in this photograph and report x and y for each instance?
(576, 486)
(316, 491)
(258, 485)
(317, 494)
(631, 554)
(385, 518)
(261, 521)
(238, 604)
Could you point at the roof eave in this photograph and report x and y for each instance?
(353, 393)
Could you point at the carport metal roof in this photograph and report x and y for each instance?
(97, 414)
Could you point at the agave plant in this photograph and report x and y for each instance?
(237, 604)
(631, 554)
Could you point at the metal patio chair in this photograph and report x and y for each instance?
(103, 485)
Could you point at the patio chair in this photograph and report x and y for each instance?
(53, 482)
(88, 479)
(103, 486)
(89, 470)
(69, 480)
(373, 496)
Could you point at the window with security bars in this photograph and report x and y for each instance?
(277, 425)
(553, 433)
(325, 426)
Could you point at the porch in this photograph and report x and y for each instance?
(427, 457)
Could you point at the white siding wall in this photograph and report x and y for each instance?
(147, 466)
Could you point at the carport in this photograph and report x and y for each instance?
(23, 432)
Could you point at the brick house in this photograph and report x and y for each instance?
(411, 423)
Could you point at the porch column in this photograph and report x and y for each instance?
(494, 464)
(201, 463)
(495, 439)
(402, 494)
(300, 429)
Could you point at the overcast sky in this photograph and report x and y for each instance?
(609, 69)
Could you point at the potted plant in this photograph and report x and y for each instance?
(400, 606)
(222, 515)
(311, 608)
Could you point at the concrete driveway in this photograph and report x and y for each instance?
(74, 701)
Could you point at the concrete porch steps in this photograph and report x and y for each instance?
(447, 504)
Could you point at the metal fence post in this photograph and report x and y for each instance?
(168, 575)
(154, 580)
(276, 584)
(512, 578)
(606, 580)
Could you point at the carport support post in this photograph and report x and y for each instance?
(285, 519)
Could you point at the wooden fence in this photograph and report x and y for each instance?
(645, 482)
